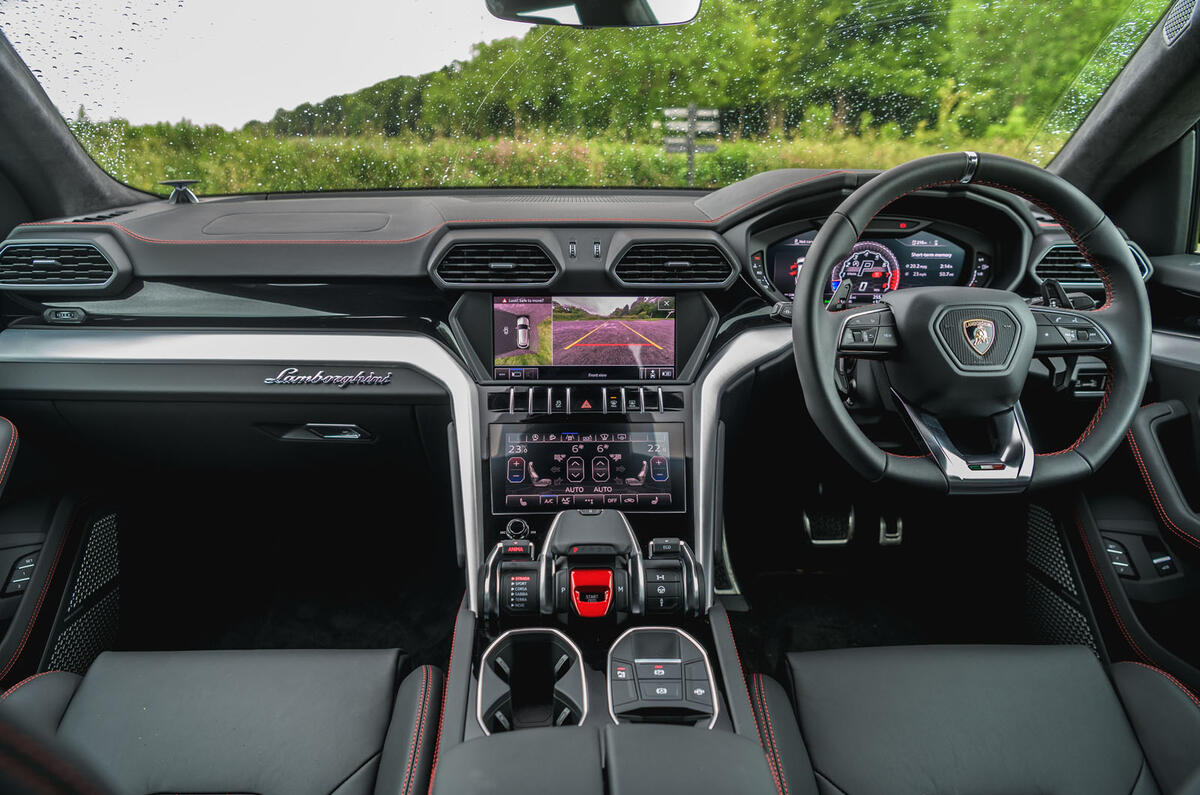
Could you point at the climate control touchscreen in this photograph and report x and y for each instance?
(553, 467)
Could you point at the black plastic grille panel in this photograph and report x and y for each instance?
(1178, 19)
(496, 263)
(1067, 264)
(674, 263)
(67, 264)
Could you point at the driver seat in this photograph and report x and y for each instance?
(977, 719)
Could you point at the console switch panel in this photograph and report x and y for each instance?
(660, 676)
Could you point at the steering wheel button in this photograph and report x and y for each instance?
(864, 319)
(886, 337)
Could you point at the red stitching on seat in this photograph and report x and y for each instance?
(37, 607)
(414, 748)
(1158, 505)
(26, 681)
(437, 748)
(1186, 690)
(12, 444)
(767, 751)
(753, 713)
(762, 697)
(1107, 596)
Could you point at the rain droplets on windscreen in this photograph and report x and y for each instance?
(276, 95)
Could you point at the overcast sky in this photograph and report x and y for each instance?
(230, 61)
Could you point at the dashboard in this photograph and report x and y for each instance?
(572, 347)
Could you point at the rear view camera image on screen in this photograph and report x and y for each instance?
(583, 337)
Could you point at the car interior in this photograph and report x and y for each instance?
(822, 480)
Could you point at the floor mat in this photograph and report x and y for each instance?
(946, 584)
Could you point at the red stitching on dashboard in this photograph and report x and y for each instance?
(436, 227)
(1186, 690)
(1158, 505)
(437, 748)
(1107, 596)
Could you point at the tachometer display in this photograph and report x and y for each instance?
(871, 269)
(878, 265)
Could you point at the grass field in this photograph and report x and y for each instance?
(543, 355)
(237, 162)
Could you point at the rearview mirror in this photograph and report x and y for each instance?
(597, 13)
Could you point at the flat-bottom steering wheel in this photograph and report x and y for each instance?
(963, 353)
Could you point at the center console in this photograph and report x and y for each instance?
(593, 627)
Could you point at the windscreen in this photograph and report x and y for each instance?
(309, 95)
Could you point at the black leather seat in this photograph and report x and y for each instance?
(260, 722)
(978, 719)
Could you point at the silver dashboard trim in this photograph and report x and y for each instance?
(744, 352)
(420, 353)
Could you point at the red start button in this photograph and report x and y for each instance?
(591, 591)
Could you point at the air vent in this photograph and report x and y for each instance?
(1178, 19)
(91, 219)
(496, 263)
(54, 265)
(674, 263)
(1067, 264)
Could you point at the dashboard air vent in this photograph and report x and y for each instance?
(1066, 263)
(91, 219)
(496, 263)
(54, 265)
(674, 263)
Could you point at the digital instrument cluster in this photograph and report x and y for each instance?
(878, 264)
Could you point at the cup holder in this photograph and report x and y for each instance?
(529, 678)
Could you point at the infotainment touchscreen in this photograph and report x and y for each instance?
(583, 337)
(556, 467)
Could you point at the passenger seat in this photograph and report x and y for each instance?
(265, 722)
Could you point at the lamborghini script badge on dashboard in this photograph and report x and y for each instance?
(292, 375)
(980, 333)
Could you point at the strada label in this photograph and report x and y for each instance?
(292, 375)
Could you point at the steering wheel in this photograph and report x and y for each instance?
(959, 356)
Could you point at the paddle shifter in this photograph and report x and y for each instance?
(591, 567)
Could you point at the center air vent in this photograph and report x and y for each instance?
(674, 263)
(62, 265)
(1067, 264)
(496, 263)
